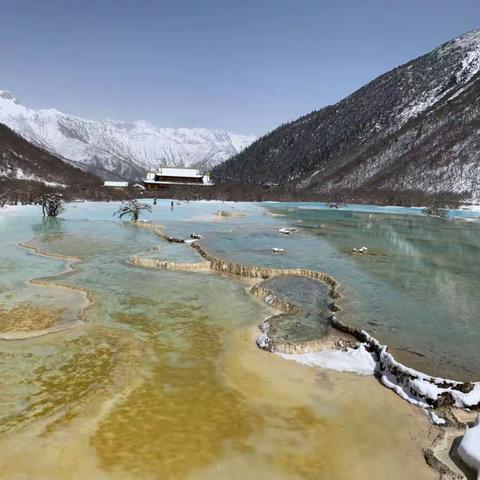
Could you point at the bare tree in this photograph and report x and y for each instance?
(133, 209)
(52, 204)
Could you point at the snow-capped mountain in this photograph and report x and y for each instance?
(112, 149)
(22, 163)
(415, 128)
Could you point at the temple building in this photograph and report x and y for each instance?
(165, 176)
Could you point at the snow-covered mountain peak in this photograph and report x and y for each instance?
(142, 125)
(115, 149)
(442, 74)
(51, 112)
(6, 95)
(468, 40)
(9, 105)
(467, 48)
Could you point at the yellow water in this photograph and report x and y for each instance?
(26, 318)
(212, 412)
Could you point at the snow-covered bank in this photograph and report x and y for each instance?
(471, 208)
(469, 448)
(356, 360)
(425, 390)
(416, 387)
(371, 357)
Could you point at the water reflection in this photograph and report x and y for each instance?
(423, 288)
(49, 226)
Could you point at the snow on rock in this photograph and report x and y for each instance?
(416, 387)
(469, 448)
(434, 418)
(356, 360)
(471, 208)
(263, 341)
(370, 357)
(287, 230)
(419, 388)
(118, 148)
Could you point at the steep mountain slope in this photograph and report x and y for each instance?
(118, 150)
(20, 160)
(414, 128)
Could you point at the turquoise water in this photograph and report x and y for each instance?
(310, 317)
(416, 290)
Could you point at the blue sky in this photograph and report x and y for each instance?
(244, 66)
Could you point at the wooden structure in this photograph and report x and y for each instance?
(165, 176)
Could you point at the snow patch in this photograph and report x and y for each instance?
(19, 174)
(469, 448)
(434, 418)
(355, 360)
(417, 387)
(413, 386)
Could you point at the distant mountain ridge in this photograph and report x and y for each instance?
(118, 150)
(21, 161)
(416, 127)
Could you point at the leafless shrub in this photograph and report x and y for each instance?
(133, 209)
(52, 204)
